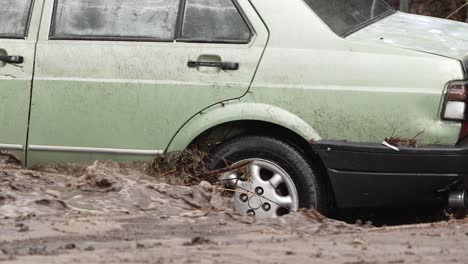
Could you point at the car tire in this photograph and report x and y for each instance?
(311, 192)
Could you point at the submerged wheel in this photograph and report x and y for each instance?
(275, 180)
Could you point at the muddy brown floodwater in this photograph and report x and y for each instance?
(112, 213)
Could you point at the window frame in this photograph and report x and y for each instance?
(180, 24)
(26, 28)
(103, 38)
(177, 32)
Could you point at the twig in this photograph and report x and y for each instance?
(402, 227)
(227, 169)
(169, 172)
(417, 135)
(233, 190)
(456, 11)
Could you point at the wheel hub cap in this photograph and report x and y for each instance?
(262, 189)
(255, 202)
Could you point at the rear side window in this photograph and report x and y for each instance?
(345, 16)
(214, 21)
(14, 18)
(115, 19)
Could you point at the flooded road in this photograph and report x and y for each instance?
(117, 213)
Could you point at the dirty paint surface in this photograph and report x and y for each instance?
(15, 86)
(129, 95)
(138, 95)
(433, 35)
(343, 89)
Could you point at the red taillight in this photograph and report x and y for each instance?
(458, 92)
(456, 106)
(464, 131)
(456, 102)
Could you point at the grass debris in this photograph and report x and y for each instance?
(183, 165)
(190, 167)
(403, 142)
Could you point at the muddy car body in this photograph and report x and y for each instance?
(307, 94)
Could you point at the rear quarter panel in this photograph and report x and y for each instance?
(346, 90)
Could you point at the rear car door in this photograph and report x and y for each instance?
(117, 79)
(18, 34)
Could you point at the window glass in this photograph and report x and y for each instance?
(116, 18)
(345, 15)
(14, 17)
(214, 21)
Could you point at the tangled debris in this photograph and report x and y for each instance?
(182, 164)
(400, 142)
(403, 142)
(190, 166)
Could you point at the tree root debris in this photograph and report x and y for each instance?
(403, 142)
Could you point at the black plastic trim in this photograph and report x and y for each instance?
(180, 19)
(7, 36)
(379, 158)
(220, 41)
(465, 66)
(372, 189)
(364, 175)
(31, 7)
(110, 38)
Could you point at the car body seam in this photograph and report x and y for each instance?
(236, 98)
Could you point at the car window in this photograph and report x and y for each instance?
(214, 21)
(344, 16)
(147, 19)
(14, 17)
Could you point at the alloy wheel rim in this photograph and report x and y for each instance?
(262, 189)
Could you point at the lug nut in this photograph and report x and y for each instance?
(266, 207)
(259, 190)
(251, 212)
(244, 198)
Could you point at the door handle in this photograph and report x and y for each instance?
(12, 59)
(227, 66)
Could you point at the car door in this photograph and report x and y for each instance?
(117, 79)
(18, 33)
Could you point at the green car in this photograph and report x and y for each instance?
(332, 103)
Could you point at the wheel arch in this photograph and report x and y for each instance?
(240, 113)
(222, 122)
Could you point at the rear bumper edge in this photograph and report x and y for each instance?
(368, 175)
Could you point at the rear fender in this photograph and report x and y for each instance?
(236, 111)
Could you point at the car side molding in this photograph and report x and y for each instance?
(94, 150)
(11, 147)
